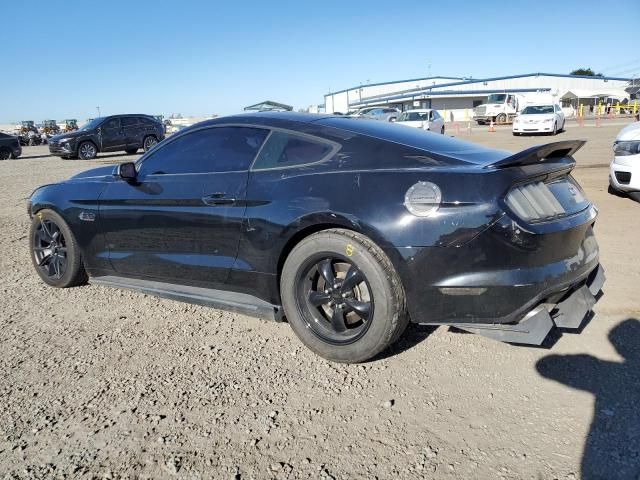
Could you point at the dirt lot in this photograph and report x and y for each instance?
(104, 383)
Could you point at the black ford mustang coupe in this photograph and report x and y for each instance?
(347, 228)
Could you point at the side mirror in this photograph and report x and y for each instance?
(127, 171)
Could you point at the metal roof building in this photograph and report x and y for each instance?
(458, 96)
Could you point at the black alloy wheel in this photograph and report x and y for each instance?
(149, 143)
(335, 299)
(50, 250)
(342, 296)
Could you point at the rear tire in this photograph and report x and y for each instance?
(501, 119)
(54, 251)
(149, 142)
(342, 271)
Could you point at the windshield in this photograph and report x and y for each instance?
(413, 116)
(537, 109)
(497, 98)
(92, 124)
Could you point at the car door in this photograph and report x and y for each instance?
(181, 220)
(131, 129)
(112, 135)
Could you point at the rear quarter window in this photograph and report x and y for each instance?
(284, 150)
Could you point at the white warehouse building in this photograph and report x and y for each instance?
(455, 98)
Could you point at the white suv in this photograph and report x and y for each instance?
(624, 173)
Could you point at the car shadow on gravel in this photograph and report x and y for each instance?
(412, 336)
(31, 157)
(612, 447)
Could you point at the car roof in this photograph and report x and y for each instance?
(419, 110)
(316, 124)
(119, 115)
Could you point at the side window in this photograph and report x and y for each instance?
(129, 121)
(113, 124)
(287, 150)
(216, 149)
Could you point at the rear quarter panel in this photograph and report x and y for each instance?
(282, 203)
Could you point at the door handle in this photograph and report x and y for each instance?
(218, 199)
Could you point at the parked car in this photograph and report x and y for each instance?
(539, 119)
(426, 119)
(9, 146)
(378, 113)
(108, 134)
(624, 172)
(347, 228)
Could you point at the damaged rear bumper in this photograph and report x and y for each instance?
(568, 313)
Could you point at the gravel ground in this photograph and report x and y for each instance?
(101, 383)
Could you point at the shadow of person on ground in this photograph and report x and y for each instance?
(612, 447)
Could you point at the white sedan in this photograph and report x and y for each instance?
(539, 119)
(425, 119)
(624, 172)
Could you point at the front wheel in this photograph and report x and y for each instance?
(87, 151)
(342, 296)
(5, 153)
(501, 119)
(54, 251)
(442, 130)
(555, 129)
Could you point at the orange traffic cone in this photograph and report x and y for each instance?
(492, 129)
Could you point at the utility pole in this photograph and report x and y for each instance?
(98, 108)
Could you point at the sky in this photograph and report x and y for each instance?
(64, 59)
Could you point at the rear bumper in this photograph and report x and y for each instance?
(498, 277)
(569, 313)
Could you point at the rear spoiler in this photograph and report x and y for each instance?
(539, 154)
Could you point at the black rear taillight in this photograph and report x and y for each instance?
(539, 202)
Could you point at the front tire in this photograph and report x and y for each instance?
(87, 151)
(501, 119)
(442, 130)
(5, 153)
(342, 296)
(54, 251)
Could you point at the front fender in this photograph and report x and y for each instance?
(70, 200)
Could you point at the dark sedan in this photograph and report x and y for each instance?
(127, 133)
(9, 147)
(347, 228)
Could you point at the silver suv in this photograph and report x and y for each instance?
(378, 113)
